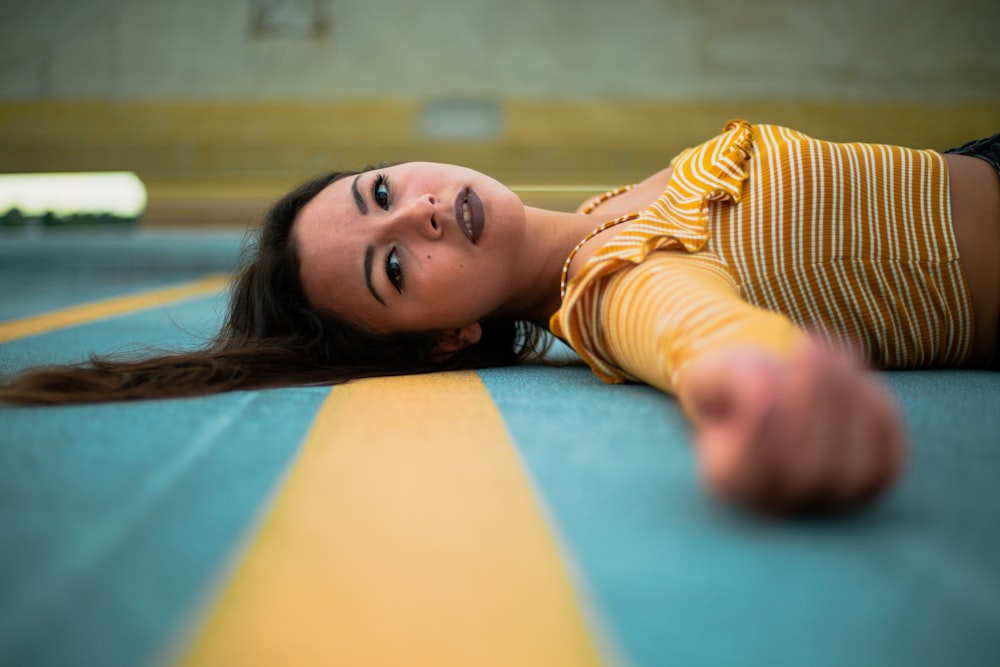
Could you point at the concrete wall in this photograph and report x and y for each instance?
(577, 49)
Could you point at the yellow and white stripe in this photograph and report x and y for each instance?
(853, 241)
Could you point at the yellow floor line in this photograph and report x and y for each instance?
(90, 312)
(406, 534)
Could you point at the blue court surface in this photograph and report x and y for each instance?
(518, 516)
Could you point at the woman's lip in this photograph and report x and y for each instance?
(468, 202)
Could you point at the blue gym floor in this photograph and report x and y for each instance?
(249, 528)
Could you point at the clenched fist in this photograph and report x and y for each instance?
(810, 433)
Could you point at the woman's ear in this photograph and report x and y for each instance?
(456, 340)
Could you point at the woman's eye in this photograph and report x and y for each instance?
(394, 270)
(380, 191)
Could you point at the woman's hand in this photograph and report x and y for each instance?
(811, 433)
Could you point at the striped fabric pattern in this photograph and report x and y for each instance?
(850, 241)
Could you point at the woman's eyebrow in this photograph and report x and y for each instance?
(358, 199)
(369, 256)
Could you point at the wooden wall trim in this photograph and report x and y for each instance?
(235, 153)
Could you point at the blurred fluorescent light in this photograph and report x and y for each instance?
(120, 193)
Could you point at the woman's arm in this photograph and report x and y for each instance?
(782, 423)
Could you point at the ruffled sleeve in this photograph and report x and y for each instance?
(678, 220)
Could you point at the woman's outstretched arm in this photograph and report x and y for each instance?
(783, 424)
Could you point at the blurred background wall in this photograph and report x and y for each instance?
(219, 105)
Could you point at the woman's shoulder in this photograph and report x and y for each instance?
(736, 138)
(634, 199)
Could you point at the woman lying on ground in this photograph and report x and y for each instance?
(754, 278)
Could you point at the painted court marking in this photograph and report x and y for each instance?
(405, 534)
(99, 310)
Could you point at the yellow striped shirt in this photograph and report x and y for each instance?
(768, 232)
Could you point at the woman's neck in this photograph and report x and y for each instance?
(550, 237)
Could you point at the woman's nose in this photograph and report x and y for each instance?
(421, 214)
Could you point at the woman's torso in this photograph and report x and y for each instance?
(765, 242)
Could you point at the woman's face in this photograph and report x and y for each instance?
(412, 248)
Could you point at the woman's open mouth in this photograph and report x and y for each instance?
(469, 214)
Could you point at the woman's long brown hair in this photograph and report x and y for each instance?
(271, 337)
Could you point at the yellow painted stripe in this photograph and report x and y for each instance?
(98, 310)
(406, 534)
